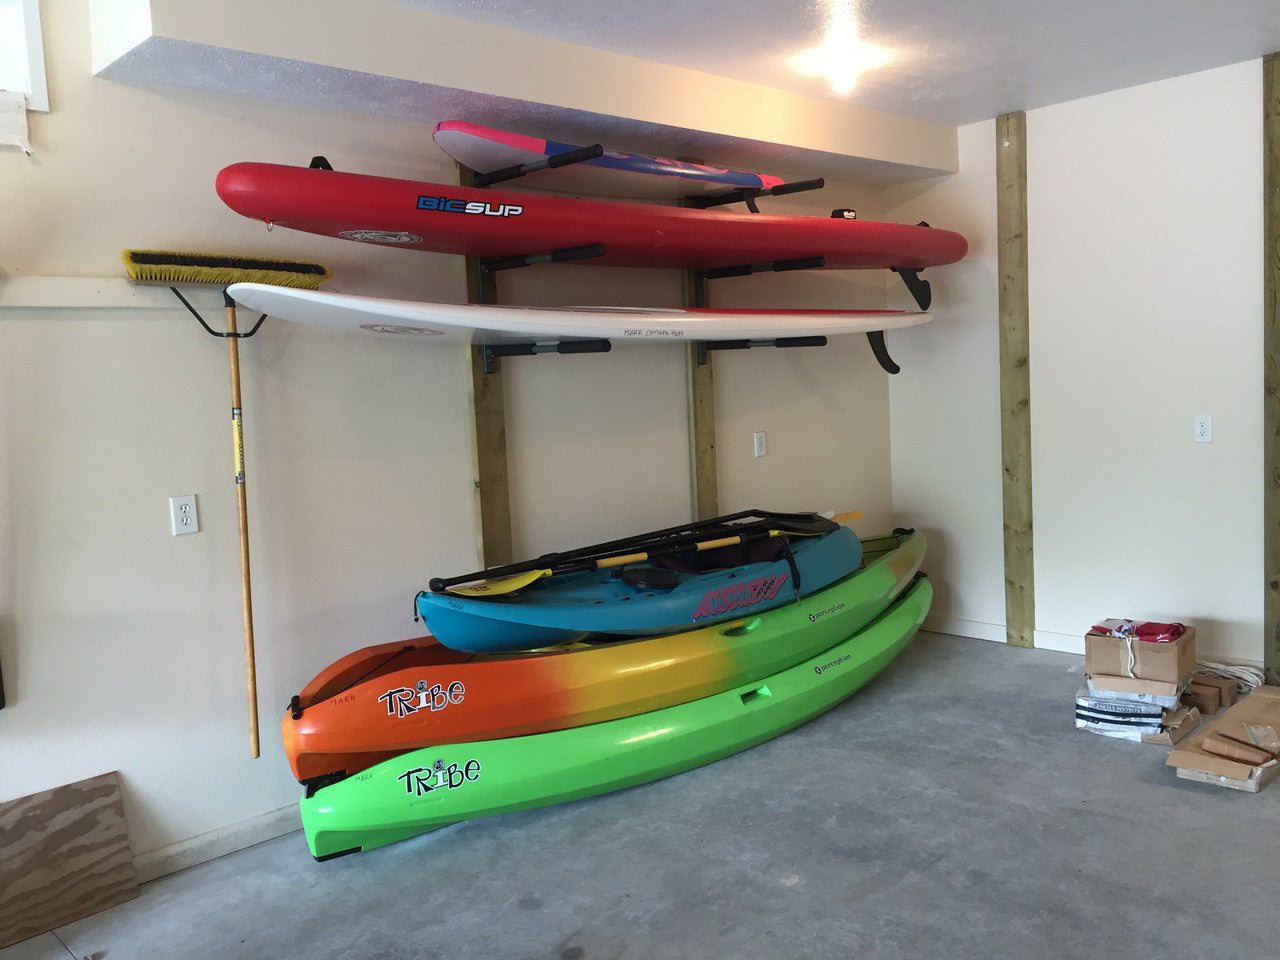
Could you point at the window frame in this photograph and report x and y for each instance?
(38, 93)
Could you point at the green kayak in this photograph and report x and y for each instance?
(439, 785)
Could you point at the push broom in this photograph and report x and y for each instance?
(190, 269)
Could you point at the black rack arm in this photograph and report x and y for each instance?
(521, 169)
(748, 195)
(706, 346)
(555, 256)
(778, 266)
(492, 351)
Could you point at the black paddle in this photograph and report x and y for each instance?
(671, 539)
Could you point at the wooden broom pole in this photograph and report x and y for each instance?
(251, 676)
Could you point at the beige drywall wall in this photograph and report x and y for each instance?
(121, 644)
(945, 405)
(1145, 239)
(1146, 304)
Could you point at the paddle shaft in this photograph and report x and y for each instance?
(237, 429)
(638, 557)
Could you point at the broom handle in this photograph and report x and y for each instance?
(251, 676)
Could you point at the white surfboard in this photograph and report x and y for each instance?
(475, 323)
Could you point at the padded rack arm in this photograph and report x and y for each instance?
(492, 351)
(555, 256)
(748, 195)
(521, 169)
(778, 266)
(706, 346)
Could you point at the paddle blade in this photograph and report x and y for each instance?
(846, 518)
(496, 588)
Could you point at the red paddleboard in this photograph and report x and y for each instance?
(498, 224)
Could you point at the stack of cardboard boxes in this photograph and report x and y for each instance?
(1239, 749)
(1134, 688)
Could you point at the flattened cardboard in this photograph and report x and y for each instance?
(1117, 684)
(1260, 708)
(1169, 662)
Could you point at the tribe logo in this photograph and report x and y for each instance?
(379, 236)
(735, 596)
(476, 208)
(423, 780)
(402, 701)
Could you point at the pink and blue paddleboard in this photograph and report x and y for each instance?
(485, 150)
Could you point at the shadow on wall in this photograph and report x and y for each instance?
(6, 658)
(939, 555)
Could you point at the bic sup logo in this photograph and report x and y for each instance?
(475, 208)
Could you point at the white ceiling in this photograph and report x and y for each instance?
(957, 61)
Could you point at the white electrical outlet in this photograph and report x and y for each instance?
(1202, 428)
(761, 447)
(182, 514)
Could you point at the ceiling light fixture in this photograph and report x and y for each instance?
(843, 54)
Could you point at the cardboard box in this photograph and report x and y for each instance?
(1260, 710)
(1204, 697)
(1228, 691)
(1170, 662)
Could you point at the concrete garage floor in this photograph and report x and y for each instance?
(949, 810)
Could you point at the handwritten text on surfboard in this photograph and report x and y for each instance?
(473, 207)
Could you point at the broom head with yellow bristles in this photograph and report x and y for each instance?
(169, 268)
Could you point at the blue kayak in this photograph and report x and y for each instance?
(641, 599)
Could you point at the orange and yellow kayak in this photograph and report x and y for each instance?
(384, 700)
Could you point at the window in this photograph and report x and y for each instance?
(21, 53)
